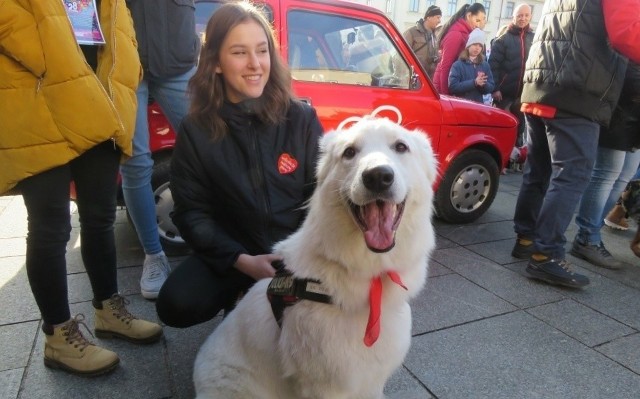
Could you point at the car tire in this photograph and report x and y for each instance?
(468, 187)
(170, 237)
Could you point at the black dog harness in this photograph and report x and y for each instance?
(285, 290)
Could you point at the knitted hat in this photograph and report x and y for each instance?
(432, 11)
(475, 37)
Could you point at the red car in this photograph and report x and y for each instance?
(349, 60)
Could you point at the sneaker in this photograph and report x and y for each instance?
(113, 320)
(65, 348)
(155, 271)
(523, 248)
(616, 218)
(595, 254)
(554, 271)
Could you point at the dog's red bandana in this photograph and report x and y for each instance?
(287, 164)
(375, 301)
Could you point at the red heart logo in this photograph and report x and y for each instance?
(287, 164)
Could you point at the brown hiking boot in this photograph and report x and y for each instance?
(67, 349)
(616, 218)
(113, 320)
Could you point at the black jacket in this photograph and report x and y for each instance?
(623, 133)
(571, 65)
(166, 34)
(509, 53)
(230, 197)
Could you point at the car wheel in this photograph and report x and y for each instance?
(172, 242)
(469, 187)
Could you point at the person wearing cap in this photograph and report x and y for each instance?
(423, 41)
(470, 76)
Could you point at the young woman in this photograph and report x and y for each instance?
(470, 76)
(242, 168)
(73, 120)
(453, 39)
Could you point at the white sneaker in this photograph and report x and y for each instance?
(155, 271)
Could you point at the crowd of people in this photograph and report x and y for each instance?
(244, 160)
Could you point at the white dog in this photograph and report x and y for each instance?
(368, 231)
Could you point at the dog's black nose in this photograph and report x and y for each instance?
(378, 179)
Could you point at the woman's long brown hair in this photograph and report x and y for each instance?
(206, 87)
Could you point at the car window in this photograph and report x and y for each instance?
(342, 50)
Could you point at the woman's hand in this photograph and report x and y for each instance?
(257, 267)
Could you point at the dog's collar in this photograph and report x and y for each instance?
(285, 290)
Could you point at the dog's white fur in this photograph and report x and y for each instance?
(319, 351)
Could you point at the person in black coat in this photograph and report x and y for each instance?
(509, 52)
(242, 169)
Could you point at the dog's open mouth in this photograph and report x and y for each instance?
(379, 221)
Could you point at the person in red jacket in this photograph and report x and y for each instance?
(453, 40)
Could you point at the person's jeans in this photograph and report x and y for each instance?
(560, 157)
(611, 173)
(46, 197)
(170, 94)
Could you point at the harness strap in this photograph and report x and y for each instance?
(285, 290)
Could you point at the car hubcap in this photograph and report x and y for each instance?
(470, 189)
(164, 206)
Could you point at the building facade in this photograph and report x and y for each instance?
(405, 13)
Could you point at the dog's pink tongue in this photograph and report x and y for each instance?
(379, 220)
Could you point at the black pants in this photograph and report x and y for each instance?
(194, 293)
(46, 197)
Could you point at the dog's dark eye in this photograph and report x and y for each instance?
(401, 147)
(349, 153)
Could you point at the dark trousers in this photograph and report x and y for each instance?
(195, 293)
(46, 197)
(561, 154)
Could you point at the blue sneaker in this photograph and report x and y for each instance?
(555, 271)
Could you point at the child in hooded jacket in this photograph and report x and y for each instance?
(470, 77)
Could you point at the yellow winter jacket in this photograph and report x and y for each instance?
(53, 107)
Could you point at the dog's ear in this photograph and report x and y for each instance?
(324, 159)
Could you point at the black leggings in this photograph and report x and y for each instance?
(46, 197)
(194, 293)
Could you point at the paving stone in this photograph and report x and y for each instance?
(17, 301)
(505, 283)
(581, 322)
(182, 348)
(610, 297)
(402, 385)
(12, 218)
(450, 300)
(10, 383)
(436, 269)
(16, 341)
(515, 356)
(624, 350)
(476, 233)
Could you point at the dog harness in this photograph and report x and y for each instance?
(285, 290)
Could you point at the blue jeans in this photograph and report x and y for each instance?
(561, 153)
(611, 173)
(170, 94)
(46, 197)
